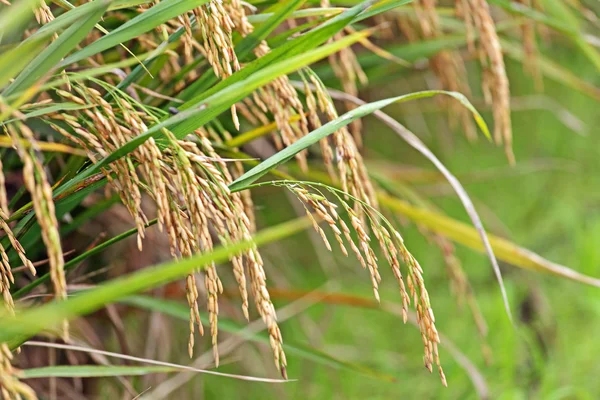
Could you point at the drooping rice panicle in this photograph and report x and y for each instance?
(36, 182)
(391, 244)
(351, 168)
(347, 69)
(10, 385)
(477, 17)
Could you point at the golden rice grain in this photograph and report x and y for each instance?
(10, 386)
(476, 14)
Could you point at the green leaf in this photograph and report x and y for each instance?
(334, 125)
(561, 11)
(16, 15)
(304, 13)
(92, 371)
(468, 236)
(553, 70)
(13, 61)
(146, 21)
(33, 321)
(46, 61)
(220, 101)
(280, 14)
(381, 7)
(182, 312)
(67, 106)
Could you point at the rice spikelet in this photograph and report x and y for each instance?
(10, 386)
(351, 168)
(476, 14)
(447, 65)
(347, 69)
(528, 34)
(278, 97)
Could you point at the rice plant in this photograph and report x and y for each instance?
(169, 121)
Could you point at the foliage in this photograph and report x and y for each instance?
(217, 132)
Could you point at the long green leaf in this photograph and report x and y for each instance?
(67, 106)
(553, 70)
(92, 371)
(277, 17)
(334, 125)
(182, 312)
(13, 61)
(32, 321)
(468, 236)
(46, 61)
(16, 15)
(148, 20)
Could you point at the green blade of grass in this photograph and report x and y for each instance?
(294, 47)
(304, 13)
(148, 20)
(562, 11)
(162, 364)
(32, 321)
(182, 312)
(280, 14)
(13, 61)
(553, 70)
(466, 235)
(334, 125)
(92, 371)
(67, 106)
(46, 61)
(16, 15)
